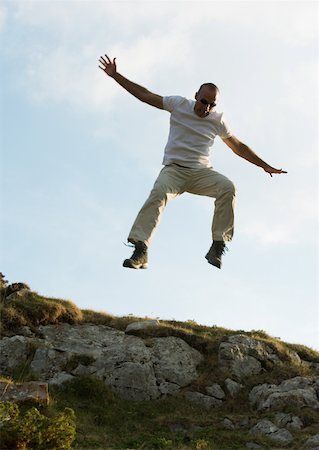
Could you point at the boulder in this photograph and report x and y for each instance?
(313, 442)
(132, 369)
(202, 400)
(14, 351)
(233, 387)
(267, 428)
(298, 392)
(215, 391)
(228, 424)
(142, 325)
(22, 392)
(289, 421)
(174, 361)
(242, 356)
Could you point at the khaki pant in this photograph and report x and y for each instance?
(174, 180)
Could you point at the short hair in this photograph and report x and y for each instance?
(210, 85)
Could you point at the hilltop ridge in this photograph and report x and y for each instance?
(203, 387)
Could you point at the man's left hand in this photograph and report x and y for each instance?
(272, 170)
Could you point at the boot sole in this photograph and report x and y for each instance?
(213, 263)
(128, 263)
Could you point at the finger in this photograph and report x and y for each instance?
(114, 61)
(108, 59)
(102, 68)
(103, 60)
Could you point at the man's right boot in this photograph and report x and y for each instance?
(139, 258)
(215, 253)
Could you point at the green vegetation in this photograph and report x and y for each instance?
(33, 430)
(107, 422)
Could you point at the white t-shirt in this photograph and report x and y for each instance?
(190, 137)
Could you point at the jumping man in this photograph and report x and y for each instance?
(194, 125)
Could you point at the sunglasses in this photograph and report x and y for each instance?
(205, 102)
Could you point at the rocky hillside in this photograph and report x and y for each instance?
(203, 387)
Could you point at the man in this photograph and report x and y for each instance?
(193, 127)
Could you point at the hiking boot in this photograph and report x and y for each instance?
(214, 255)
(139, 258)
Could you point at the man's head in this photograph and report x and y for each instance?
(206, 99)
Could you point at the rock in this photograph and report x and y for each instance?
(132, 369)
(15, 290)
(205, 401)
(167, 388)
(22, 392)
(298, 392)
(312, 442)
(60, 378)
(142, 325)
(14, 351)
(174, 360)
(282, 436)
(264, 426)
(25, 331)
(133, 381)
(242, 356)
(289, 421)
(233, 387)
(215, 391)
(252, 445)
(228, 424)
(267, 428)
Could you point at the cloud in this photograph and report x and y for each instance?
(3, 17)
(61, 66)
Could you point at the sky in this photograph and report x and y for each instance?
(79, 156)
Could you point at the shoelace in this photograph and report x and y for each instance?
(138, 252)
(220, 249)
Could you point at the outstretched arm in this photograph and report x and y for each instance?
(109, 67)
(245, 152)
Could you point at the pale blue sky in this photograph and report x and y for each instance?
(80, 155)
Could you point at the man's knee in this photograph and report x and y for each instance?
(228, 188)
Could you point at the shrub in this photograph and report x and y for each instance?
(35, 431)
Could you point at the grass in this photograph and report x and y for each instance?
(106, 422)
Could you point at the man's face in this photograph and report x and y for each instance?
(206, 99)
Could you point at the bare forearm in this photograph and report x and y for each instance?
(135, 89)
(247, 153)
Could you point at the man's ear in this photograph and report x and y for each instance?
(196, 94)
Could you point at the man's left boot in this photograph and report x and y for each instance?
(215, 253)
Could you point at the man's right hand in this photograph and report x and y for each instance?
(136, 90)
(108, 66)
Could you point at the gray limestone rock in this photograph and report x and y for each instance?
(267, 428)
(205, 401)
(60, 378)
(298, 392)
(215, 391)
(264, 426)
(174, 360)
(233, 387)
(228, 424)
(142, 325)
(14, 351)
(242, 356)
(313, 442)
(289, 421)
(134, 370)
